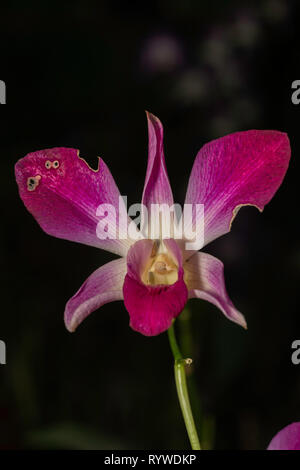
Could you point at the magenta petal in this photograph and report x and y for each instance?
(204, 276)
(286, 439)
(245, 168)
(157, 189)
(63, 193)
(103, 286)
(138, 257)
(152, 308)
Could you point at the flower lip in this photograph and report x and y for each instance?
(154, 289)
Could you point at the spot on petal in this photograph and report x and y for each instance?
(33, 182)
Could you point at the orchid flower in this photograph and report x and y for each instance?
(154, 277)
(287, 438)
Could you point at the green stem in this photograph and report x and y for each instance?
(182, 391)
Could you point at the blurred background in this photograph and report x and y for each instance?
(81, 75)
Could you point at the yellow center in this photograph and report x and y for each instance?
(161, 269)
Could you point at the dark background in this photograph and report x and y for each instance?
(81, 74)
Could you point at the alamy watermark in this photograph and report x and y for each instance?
(296, 94)
(2, 352)
(157, 221)
(296, 354)
(2, 92)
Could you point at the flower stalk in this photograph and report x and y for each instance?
(182, 391)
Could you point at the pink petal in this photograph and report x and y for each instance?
(204, 277)
(103, 286)
(64, 200)
(286, 439)
(152, 308)
(157, 189)
(245, 168)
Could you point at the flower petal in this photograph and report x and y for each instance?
(204, 277)
(157, 189)
(244, 168)
(152, 308)
(286, 439)
(63, 194)
(103, 286)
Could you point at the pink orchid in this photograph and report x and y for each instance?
(155, 278)
(287, 438)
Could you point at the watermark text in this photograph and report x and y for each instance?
(2, 352)
(2, 92)
(159, 221)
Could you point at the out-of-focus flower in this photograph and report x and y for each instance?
(246, 31)
(155, 275)
(161, 53)
(216, 49)
(287, 438)
(275, 10)
(192, 87)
